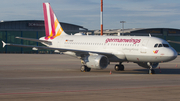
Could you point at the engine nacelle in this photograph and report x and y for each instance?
(96, 61)
(79, 34)
(146, 64)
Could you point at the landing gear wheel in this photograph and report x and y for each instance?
(151, 71)
(84, 68)
(88, 69)
(116, 67)
(119, 67)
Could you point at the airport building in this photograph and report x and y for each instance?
(30, 29)
(35, 29)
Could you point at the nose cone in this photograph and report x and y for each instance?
(171, 54)
(174, 53)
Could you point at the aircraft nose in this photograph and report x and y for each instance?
(172, 54)
(175, 54)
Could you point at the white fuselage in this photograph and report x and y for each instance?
(124, 48)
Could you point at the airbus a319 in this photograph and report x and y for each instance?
(96, 52)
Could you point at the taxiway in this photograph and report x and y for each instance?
(45, 77)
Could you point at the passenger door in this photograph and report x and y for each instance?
(143, 46)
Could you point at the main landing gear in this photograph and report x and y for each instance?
(119, 67)
(84, 68)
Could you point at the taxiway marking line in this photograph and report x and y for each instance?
(53, 92)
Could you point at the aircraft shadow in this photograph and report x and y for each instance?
(162, 71)
(142, 71)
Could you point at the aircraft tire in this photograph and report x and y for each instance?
(121, 67)
(83, 68)
(116, 67)
(88, 69)
(153, 71)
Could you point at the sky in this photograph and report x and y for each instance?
(86, 13)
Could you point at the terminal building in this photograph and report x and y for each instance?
(30, 29)
(35, 29)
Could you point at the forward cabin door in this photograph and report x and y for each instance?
(144, 46)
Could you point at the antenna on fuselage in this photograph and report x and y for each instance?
(149, 35)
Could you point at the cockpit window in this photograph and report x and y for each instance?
(155, 45)
(165, 45)
(160, 45)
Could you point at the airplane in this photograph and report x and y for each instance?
(97, 52)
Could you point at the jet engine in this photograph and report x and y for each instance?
(147, 65)
(96, 61)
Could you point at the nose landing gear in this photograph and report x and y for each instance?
(151, 71)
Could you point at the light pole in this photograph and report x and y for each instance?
(122, 26)
(101, 17)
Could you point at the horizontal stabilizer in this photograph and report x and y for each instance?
(35, 40)
(4, 44)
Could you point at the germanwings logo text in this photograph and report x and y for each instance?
(134, 41)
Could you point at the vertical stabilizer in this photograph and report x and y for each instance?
(52, 25)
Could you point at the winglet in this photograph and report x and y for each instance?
(4, 44)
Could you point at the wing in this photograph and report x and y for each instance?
(77, 52)
(59, 49)
(173, 41)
